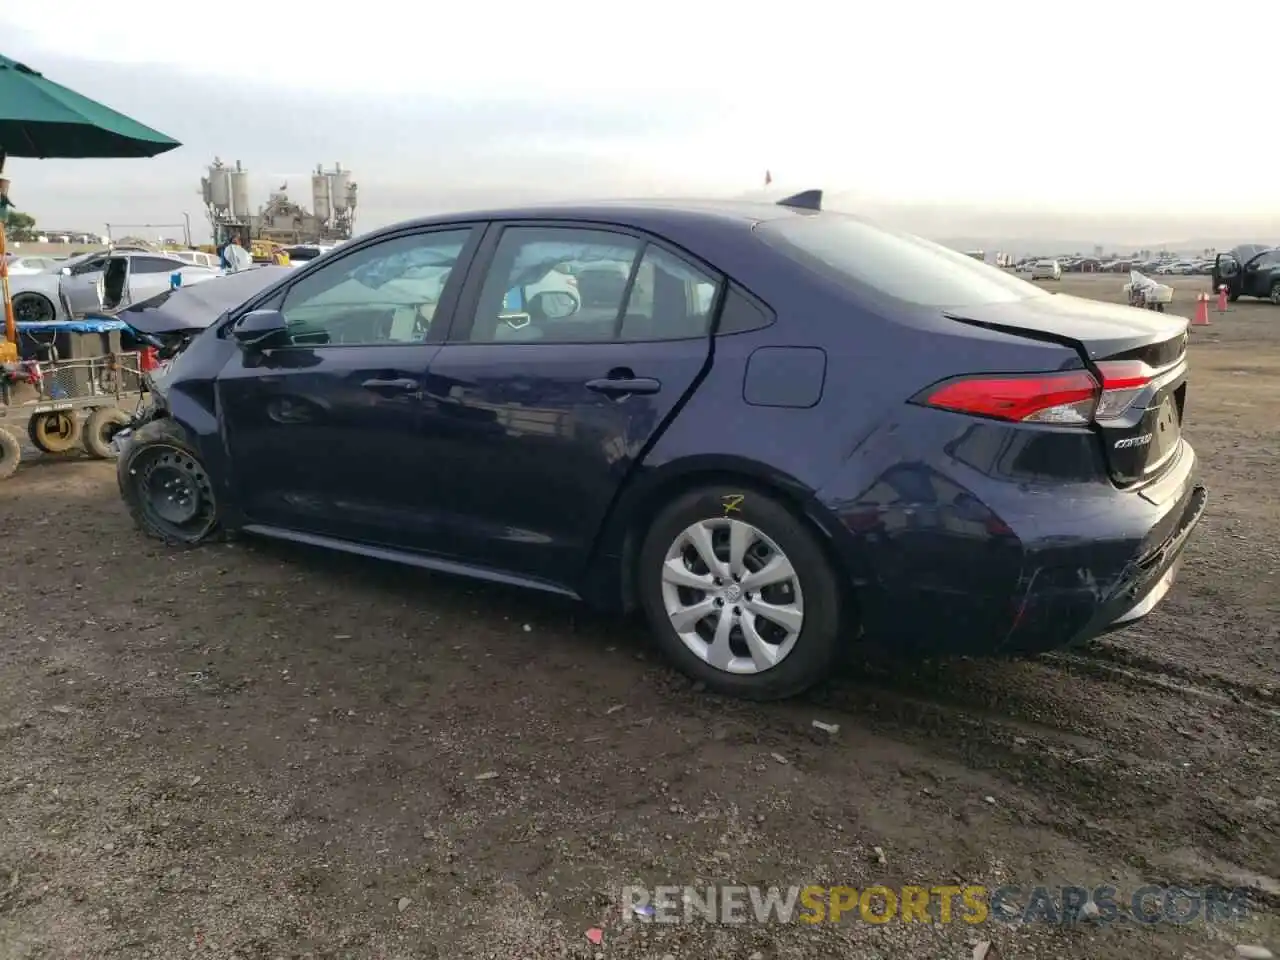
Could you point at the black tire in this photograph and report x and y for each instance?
(161, 453)
(816, 649)
(101, 425)
(1275, 293)
(57, 432)
(10, 454)
(29, 307)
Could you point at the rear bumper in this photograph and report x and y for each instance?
(967, 566)
(1152, 578)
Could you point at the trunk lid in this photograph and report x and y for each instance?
(1140, 440)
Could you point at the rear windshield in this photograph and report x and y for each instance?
(897, 265)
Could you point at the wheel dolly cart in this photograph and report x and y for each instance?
(69, 388)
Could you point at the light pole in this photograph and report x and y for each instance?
(186, 217)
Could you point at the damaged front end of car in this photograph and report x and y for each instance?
(169, 322)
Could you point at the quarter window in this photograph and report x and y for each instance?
(383, 294)
(568, 285)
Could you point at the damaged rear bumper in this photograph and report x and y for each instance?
(1152, 578)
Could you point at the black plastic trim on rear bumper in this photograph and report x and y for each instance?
(1139, 595)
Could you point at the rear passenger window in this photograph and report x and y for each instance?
(154, 265)
(570, 285)
(668, 300)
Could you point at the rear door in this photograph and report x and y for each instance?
(541, 404)
(151, 275)
(325, 433)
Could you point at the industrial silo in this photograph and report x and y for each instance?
(340, 188)
(240, 192)
(217, 187)
(320, 195)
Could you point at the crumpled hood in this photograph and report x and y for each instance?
(192, 308)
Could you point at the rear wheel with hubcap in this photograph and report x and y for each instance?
(741, 594)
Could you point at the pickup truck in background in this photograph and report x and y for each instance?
(1249, 270)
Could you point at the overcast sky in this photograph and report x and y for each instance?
(1058, 117)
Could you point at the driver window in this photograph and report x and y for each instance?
(384, 294)
(89, 266)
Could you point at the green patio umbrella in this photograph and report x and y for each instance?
(43, 119)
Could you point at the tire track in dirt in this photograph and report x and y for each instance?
(1157, 669)
(1084, 762)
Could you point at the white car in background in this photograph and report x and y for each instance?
(197, 258)
(303, 253)
(26, 266)
(1046, 270)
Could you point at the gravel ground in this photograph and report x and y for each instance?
(259, 751)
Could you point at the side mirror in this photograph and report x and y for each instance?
(258, 327)
(65, 271)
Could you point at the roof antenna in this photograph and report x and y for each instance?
(808, 200)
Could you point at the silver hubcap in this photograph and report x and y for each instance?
(732, 596)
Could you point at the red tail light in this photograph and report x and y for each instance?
(1069, 398)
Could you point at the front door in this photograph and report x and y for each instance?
(82, 290)
(325, 431)
(543, 401)
(1258, 274)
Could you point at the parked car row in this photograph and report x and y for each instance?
(1165, 267)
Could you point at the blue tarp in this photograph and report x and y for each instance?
(87, 325)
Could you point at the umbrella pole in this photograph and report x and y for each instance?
(9, 346)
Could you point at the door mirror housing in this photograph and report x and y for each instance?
(65, 271)
(257, 327)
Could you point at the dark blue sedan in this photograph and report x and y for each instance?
(776, 430)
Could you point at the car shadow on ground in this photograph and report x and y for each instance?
(1022, 720)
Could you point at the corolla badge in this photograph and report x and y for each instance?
(1129, 442)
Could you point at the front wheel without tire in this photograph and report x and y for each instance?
(56, 432)
(166, 487)
(740, 594)
(100, 428)
(10, 454)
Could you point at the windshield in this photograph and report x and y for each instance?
(903, 267)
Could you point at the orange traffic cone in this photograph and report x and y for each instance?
(1202, 311)
(1222, 298)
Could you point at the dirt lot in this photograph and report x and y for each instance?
(254, 751)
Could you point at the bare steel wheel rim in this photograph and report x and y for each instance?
(732, 596)
(175, 492)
